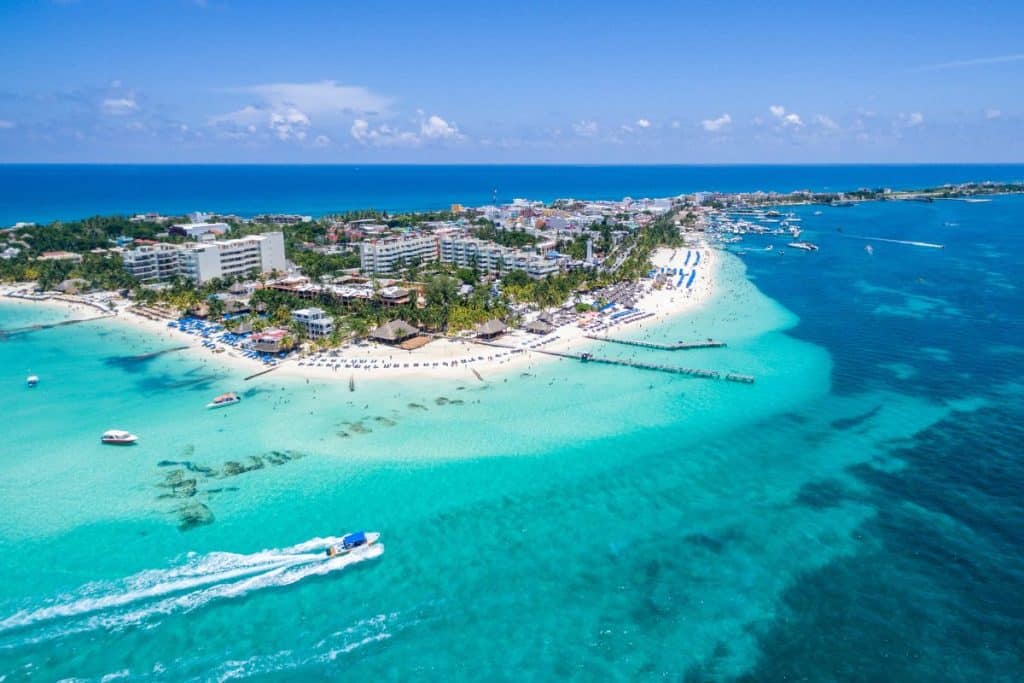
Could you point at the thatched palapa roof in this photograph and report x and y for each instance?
(491, 328)
(394, 331)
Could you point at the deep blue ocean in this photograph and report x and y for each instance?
(61, 192)
(857, 514)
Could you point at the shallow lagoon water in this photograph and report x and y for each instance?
(853, 515)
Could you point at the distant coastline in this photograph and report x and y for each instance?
(45, 192)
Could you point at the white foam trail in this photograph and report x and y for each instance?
(910, 242)
(202, 579)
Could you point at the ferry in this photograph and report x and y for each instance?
(228, 399)
(352, 542)
(118, 437)
(32, 380)
(806, 246)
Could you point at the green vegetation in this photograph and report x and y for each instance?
(518, 239)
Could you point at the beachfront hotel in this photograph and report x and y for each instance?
(205, 261)
(385, 255)
(315, 322)
(468, 252)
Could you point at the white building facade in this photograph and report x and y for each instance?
(153, 262)
(314, 321)
(208, 260)
(388, 254)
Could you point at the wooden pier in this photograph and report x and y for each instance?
(671, 369)
(678, 346)
(260, 373)
(46, 326)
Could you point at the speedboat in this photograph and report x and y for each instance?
(228, 399)
(32, 380)
(352, 542)
(806, 246)
(118, 437)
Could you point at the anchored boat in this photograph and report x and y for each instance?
(32, 380)
(352, 542)
(118, 437)
(228, 399)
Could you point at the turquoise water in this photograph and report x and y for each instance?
(855, 514)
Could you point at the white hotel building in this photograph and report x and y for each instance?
(467, 252)
(207, 260)
(386, 255)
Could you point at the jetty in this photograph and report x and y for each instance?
(678, 346)
(46, 326)
(657, 367)
(260, 373)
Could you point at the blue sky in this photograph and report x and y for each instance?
(545, 82)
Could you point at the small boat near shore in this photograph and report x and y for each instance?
(806, 246)
(32, 380)
(228, 399)
(352, 542)
(118, 437)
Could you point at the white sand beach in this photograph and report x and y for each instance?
(460, 357)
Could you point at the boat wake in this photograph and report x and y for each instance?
(150, 595)
(912, 243)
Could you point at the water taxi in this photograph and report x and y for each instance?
(118, 437)
(32, 380)
(352, 542)
(228, 399)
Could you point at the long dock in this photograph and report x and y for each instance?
(678, 346)
(46, 326)
(261, 372)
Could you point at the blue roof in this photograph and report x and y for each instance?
(352, 540)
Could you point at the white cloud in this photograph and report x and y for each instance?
(992, 114)
(322, 141)
(382, 135)
(826, 123)
(289, 124)
(675, 124)
(436, 128)
(315, 99)
(790, 119)
(6, 124)
(585, 129)
(643, 123)
(119, 106)
(715, 125)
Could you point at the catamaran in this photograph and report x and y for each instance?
(228, 399)
(118, 437)
(352, 542)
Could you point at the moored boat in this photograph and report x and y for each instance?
(228, 399)
(806, 246)
(118, 437)
(32, 380)
(352, 542)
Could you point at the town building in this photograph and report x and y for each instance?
(389, 254)
(152, 262)
(260, 253)
(315, 322)
(197, 230)
(204, 261)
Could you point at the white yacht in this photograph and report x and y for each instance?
(32, 380)
(228, 399)
(118, 437)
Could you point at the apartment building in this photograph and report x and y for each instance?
(387, 255)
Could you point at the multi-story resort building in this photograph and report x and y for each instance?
(207, 260)
(472, 252)
(152, 262)
(386, 255)
(314, 321)
(262, 253)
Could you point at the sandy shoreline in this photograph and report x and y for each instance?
(450, 358)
